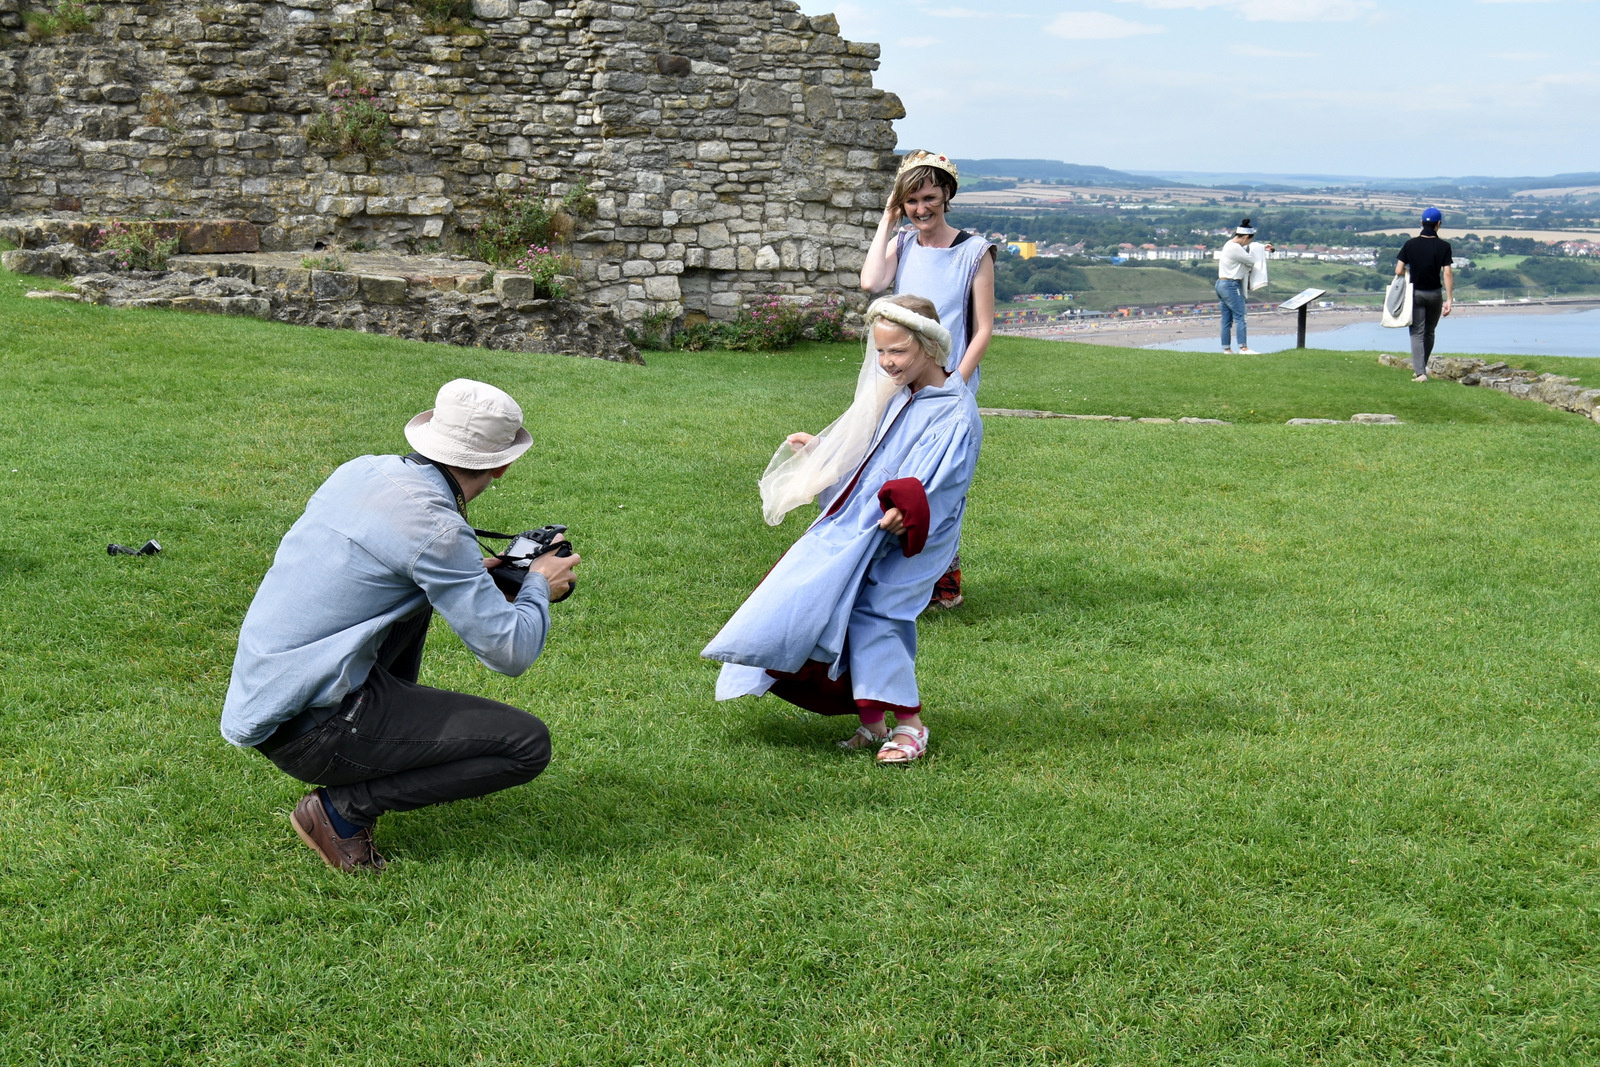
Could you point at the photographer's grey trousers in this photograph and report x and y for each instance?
(394, 745)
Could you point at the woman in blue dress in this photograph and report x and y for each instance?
(832, 628)
(952, 268)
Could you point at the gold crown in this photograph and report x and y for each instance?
(919, 158)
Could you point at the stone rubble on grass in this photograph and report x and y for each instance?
(1028, 413)
(511, 318)
(1554, 390)
(1365, 418)
(56, 261)
(51, 294)
(173, 289)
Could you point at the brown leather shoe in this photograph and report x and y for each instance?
(341, 853)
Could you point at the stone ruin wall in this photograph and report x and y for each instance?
(734, 148)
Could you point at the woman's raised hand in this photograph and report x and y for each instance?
(892, 212)
(797, 441)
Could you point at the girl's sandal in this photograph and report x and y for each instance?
(897, 751)
(862, 738)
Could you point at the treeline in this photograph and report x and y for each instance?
(1102, 233)
(1015, 276)
(1550, 274)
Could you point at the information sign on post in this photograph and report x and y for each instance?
(1301, 302)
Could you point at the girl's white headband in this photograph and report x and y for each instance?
(933, 337)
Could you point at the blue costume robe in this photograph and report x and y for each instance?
(846, 594)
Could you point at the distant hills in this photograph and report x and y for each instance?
(1478, 185)
(1080, 174)
(1054, 170)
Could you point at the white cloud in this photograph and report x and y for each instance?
(968, 13)
(1097, 26)
(917, 42)
(1274, 10)
(1257, 52)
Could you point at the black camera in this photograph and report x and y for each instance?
(519, 555)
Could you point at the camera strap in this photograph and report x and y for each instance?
(455, 488)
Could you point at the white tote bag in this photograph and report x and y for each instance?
(1397, 301)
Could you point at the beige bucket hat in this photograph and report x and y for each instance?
(472, 425)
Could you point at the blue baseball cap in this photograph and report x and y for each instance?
(1432, 215)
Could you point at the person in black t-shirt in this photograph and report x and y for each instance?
(1433, 283)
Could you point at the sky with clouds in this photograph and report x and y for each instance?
(1389, 88)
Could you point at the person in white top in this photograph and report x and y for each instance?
(1241, 267)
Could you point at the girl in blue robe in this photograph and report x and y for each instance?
(832, 628)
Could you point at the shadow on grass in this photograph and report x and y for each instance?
(1079, 592)
(698, 799)
(17, 563)
(604, 812)
(1043, 722)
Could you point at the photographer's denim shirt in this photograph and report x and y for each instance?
(380, 539)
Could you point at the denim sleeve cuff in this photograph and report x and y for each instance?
(535, 587)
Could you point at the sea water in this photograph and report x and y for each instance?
(1571, 333)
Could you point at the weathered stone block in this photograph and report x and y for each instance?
(430, 205)
(888, 106)
(662, 287)
(383, 289)
(494, 9)
(762, 98)
(714, 151)
(205, 237)
(342, 206)
(386, 205)
(256, 307)
(334, 285)
(514, 289)
(30, 261)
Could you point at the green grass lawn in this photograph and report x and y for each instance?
(1254, 744)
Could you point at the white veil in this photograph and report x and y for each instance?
(796, 476)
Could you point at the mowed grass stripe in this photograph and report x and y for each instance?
(1254, 744)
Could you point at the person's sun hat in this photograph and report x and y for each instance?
(1244, 229)
(472, 425)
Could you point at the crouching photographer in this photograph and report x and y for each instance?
(325, 679)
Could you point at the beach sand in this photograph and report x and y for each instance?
(1142, 332)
